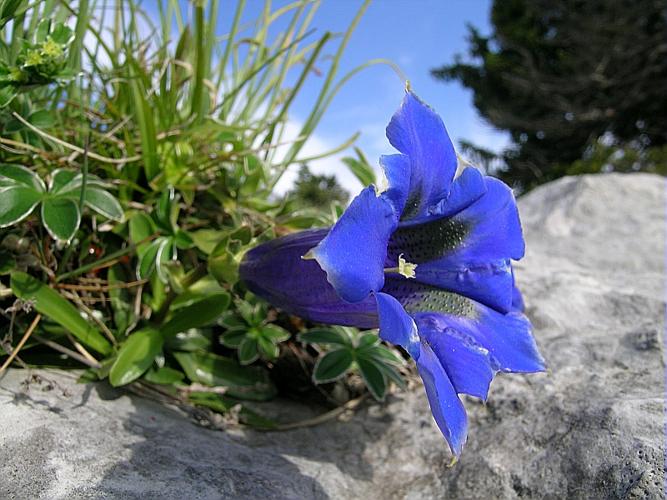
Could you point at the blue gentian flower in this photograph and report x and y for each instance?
(427, 259)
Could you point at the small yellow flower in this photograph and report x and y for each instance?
(51, 49)
(34, 58)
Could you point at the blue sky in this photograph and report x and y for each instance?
(418, 35)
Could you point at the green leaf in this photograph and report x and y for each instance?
(52, 304)
(374, 378)
(391, 373)
(164, 255)
(42, 119)
(233, 338)
(135, 356)
(62, 35)
(120, 299)
(10, 9)
(193, 339)
(61, 218)
(223, 265)
(141, 227)
(200, 290)
(60, 178)
(147, 257)
(206, 239)
(145, 120)
(332, 366)
(248, 351)
(7, 262)
(244, 382)
(268, 348)
(7, 95)
(72, 188)
(384, 354)
(324, 336)
(274, 333)
(16, 203)
(367, 340)
(182, 239)
(103, 203)
(164, 376)
(18, 174)
(361, 169)
(199, 314)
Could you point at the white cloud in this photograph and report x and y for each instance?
(314, 146)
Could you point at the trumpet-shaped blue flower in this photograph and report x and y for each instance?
(427, 259)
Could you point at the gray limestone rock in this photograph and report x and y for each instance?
(591, 427)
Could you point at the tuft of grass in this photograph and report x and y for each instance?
(152, 142)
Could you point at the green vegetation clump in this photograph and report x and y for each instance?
(139, 152)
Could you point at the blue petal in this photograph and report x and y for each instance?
(397, 170)
(396, 326)
(507, 337)
(467, 363)
(466, 189)
(418, 132)
(469, 252)
(354, 251)
(276, 272)
(446, 407)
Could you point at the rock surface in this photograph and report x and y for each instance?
(592, 427)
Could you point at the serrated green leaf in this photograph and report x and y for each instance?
(248, 351)
(103, 203)
(52, 304)
(332, 365)
(61, 218)
(199, 314)
(135, 356)
(62, 35)
(374, 377)
(243, 382)
(16, 203)
(324, 336)
(18, 174)
(42, 30)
